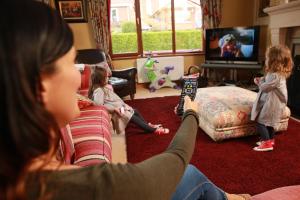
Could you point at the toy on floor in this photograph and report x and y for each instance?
(158, 78)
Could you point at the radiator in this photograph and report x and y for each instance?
(175, 61)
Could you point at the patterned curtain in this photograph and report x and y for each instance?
(211, 11)
(99, 14)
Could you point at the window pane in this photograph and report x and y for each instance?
(156, 25)
(188, 25)
(123, 27)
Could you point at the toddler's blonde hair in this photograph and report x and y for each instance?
(279, 60)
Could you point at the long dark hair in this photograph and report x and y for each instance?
(98, 79)
(32, 36)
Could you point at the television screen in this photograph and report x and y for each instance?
(232, 44)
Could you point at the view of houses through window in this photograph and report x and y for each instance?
(161, 26)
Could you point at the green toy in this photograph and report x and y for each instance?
(158, 79)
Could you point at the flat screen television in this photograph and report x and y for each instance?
(232, 45)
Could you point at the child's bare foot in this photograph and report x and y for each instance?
(154, 125)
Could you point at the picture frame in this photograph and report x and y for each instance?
(73, 11)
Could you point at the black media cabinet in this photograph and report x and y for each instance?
(233, 67)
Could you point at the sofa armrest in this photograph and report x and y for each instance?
(66, 150)
(91, 133)
(286, 193)
(128, 73)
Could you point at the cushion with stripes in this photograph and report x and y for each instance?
(66, 145)
(91, 133)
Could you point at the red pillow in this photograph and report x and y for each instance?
(84, 102)
(88, 70)
(85, 78)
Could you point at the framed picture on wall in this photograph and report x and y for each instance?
(72, 11)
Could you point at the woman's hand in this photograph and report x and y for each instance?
(189, 104)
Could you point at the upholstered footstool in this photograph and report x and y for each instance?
(224, 112)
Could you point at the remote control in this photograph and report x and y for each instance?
(189, 88)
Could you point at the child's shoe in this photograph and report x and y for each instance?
(264, 146)
(272, 141)
(161, 131)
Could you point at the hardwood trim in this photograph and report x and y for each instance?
(173, 27)
(138, 26)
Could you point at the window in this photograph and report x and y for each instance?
(158, 26)
(188, 26)
(123, 30)
(158, 38)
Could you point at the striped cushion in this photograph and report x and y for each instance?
(91, 133)
(66, 145)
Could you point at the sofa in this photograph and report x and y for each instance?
(87, 139)
(282, 193)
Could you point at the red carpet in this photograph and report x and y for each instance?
(231, 164)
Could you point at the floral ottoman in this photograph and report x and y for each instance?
(224, 112)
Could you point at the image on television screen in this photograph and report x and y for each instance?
(238, 43)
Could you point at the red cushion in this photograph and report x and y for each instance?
(83, 101)
(91, 134)
(85, 78)
(83, 92)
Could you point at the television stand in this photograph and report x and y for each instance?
(231, 66)
(227, 83)
(233, 78)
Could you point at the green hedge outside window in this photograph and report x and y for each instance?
(155, 41)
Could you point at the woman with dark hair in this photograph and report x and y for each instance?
(34, 39)
(38, 84)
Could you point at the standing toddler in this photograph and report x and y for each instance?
(272, 96)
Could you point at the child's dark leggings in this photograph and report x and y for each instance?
(266, 132)
(138, 119)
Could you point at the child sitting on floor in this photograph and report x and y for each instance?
(122, 113)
